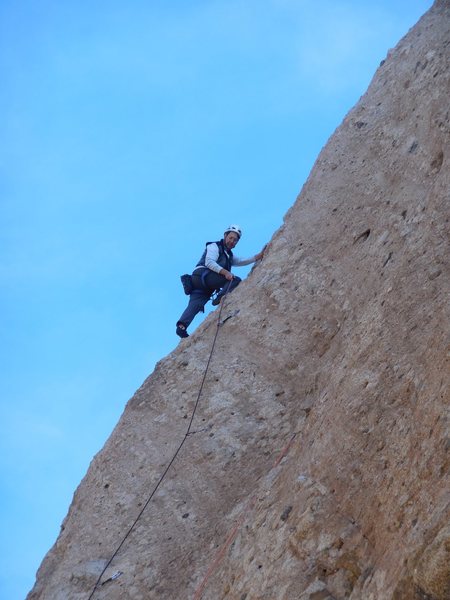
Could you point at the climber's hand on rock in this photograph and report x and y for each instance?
(261, 254)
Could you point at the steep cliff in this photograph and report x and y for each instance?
(318, 463)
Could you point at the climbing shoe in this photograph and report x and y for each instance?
(186, 280)
(216, 300)
(181, 332)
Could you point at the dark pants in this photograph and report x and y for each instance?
(203, 289)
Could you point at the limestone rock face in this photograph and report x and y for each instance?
(319, 464)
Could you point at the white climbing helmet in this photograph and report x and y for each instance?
(235, 229)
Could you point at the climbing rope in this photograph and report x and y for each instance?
(172, 460)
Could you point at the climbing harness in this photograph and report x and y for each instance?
(216, 295)
(188, 286)
(172, 460)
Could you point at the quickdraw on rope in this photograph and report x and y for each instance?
(172, 460)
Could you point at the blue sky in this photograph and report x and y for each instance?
(131, 133)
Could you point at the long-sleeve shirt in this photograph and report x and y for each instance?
(212, 254)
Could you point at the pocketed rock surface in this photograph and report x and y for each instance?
(319, 467)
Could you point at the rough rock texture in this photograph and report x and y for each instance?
(319, 469)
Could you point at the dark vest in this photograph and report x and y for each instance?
(225, 259)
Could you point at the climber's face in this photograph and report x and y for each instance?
(230, 240)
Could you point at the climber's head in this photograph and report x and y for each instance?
(231, 236)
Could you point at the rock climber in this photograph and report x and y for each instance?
(213, 274)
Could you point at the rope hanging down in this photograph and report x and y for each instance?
(172, 460)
